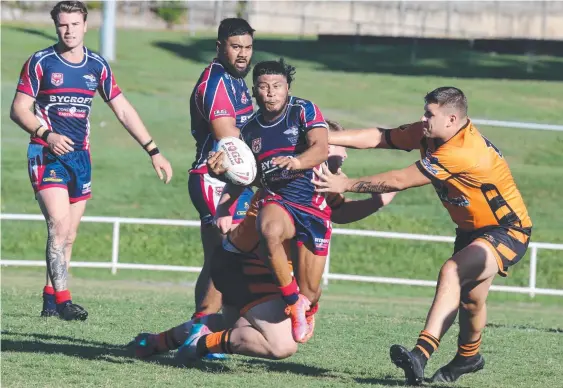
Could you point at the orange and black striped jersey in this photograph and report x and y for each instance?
(469, 174)
(245, 239)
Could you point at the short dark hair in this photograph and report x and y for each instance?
(69, 7)
(274, 67)
(233, 27)
(448, 96)
(334, 126)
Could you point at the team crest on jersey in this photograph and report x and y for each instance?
(256, 145)
(90, 81)
(57, 79)
(243, 98)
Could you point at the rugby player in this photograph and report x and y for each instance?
(219, 105)
(288, 137)
(250, 294)
(52, 103)
(475, 185)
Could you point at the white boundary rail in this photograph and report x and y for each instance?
(114, 265)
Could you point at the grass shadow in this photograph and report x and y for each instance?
(33, 31)
(430, 60)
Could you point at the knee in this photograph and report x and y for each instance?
(272, 233)
(71, 237)
(58, 230)
(283, 349)
(449, 271)
(471, 305)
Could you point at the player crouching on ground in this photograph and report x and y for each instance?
(475, 185)
(253, 308)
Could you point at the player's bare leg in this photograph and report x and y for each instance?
(264, 331)
(207, 298)
(54, 204)
(309, 271)
(472, 320)
(475, 263)
(275, 228)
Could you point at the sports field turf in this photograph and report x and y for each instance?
(157, 71)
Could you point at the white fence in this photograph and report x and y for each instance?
(114, 265)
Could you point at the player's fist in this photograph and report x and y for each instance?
(59, 144)
(215, 163)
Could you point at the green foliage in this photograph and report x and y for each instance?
(170, 12)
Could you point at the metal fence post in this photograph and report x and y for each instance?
(327, 267)
(533, 269)
(115, 248)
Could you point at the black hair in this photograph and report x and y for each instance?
(233, 27)
(274, 67)
(448, 96)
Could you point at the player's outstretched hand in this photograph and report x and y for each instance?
(287, 163)
(215, 163)
(59, 144)
(160, 164)
(328, 182)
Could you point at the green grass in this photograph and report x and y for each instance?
(358, 87)
(355, 327)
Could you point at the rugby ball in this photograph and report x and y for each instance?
(238, 161)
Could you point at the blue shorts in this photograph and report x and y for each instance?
(311, 230)
(72, 171)
(205, 192)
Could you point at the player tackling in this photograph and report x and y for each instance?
(475, 185)
(52, 103)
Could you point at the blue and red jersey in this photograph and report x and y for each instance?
(217, 94)
(63, 91)
(287, 136)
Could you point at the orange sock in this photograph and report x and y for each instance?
(215, 343)
(427, 344)
(468, 349)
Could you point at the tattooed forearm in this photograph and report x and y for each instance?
(56, 264)
(369, 187)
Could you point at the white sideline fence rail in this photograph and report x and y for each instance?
(114, 265)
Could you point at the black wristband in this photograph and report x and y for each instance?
(37, 130)
(154, 151)
(45, 135)
(147, 144)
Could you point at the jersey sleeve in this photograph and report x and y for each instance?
(30, 77)
(214, 101)
(107, 86)
(442, 165)
(406, 137)
(311, 116)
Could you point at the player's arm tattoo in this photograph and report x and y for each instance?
(370, 187)
(56, 264)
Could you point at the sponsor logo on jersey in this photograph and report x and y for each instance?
(294, 131)
(40, 54)
(91, 82)
(256, 145)
(69, 99)
(57, 79)
(72, 112)
(243, 98)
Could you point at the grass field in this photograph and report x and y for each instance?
(358, 87)
(157, 71)
(355, 328)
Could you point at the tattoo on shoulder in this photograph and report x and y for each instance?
(369, 187)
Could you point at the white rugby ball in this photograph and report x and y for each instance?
(238, 160)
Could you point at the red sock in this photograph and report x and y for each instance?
(290, 292)
(62, 296)
(49, 290)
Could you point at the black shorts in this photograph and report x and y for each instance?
(509, 244)
(245, 281)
